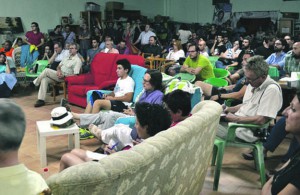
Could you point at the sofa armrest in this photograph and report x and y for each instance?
(80, 79)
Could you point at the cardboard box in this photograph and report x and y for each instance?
(111, 5)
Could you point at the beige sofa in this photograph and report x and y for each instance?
(174, 161)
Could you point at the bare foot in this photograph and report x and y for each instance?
(95, 131)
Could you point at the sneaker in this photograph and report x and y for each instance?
(39, 103)
(85, 134)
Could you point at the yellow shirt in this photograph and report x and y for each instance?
(203, 62)
(20, 180)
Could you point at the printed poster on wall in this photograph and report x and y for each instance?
(222, 13)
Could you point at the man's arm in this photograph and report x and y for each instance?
(257, 120)
(234, 95)
(51, 60)
(42, 43)
(185, 68)
(126, 98)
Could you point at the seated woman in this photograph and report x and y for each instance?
(152, 93)
(173, 57)
(287, 179)
(229, 57)
(7, 80)
(150, 120)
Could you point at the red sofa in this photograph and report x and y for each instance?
(102, 76)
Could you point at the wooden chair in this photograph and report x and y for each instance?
(61, 85)
(153, 62)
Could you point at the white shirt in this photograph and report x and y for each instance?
(124, 86)
(175, 55)
(63, 54)
(145, 36)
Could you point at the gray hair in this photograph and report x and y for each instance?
(258, 65)
(12, 125)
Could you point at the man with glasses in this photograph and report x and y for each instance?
(261, 102)
(58, 55)
(197, 65)
(67, 67)
(277, 59)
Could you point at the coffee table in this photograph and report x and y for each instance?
(44, 130)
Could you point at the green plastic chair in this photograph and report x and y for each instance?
(217, 82)
(230, 140)
(213, 60)
(220, 72)
(42, 65)
(186, 76)
(274, 73)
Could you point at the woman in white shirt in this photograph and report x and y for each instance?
(173, 56)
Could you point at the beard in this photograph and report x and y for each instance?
(277, 49)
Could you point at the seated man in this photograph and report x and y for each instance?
(277, 59)
(109, 48)
(58, 55)
(15, 178)
(151, 119)
(235, 91)
(7, 49)
(292, 60)
(179, 104)
(198, 65)
(67, 67)
(91, 53)
(261, 102)
(120, 98)
(152, 48)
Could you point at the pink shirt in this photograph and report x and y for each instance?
(34, 39)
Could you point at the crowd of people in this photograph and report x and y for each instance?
(247, 57)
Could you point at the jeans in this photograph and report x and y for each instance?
(276, 136)
(220, 64)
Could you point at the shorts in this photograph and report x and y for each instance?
(117, 106)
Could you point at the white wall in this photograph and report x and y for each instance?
(48, 13)
(201, 11)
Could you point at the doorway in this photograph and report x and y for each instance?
(252, 24)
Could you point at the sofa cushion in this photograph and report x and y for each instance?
(81, 90)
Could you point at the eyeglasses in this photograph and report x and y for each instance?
(252, 80)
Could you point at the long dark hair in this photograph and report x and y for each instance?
(37, 26)
(156, 79)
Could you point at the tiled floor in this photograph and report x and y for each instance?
(237, 177)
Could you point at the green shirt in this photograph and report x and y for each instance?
(203, 62)
(291, 64)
